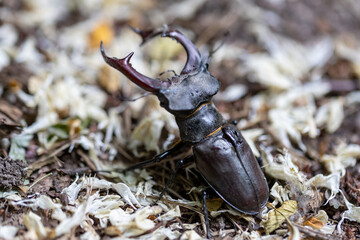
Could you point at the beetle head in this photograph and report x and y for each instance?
(182, 94)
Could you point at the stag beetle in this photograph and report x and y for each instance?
(222, 156)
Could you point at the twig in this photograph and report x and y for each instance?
(38, 180)
(316, 233)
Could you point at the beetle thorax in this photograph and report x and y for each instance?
(187, 93)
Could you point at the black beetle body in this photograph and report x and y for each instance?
(222, 155)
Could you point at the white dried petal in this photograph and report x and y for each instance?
(76, 219)
(162, 233)
(320, 52)
(287, 59)
(348, 52)
(285, 169)
(336, 115)
(43, 202)
(58, 214)
(257, 103)
(33, 223)
(183, 226)
(119, 217)
(353, 213)
(90, 233)
(284, 126)
(113, 126)
(309, 89)
(171, 214)
(331, 182)
(279, 193)
(232, 93)
(148, 132)
(141, 218)
(331, 114)
(10, 195)
(190, 235)
(345, 156)
(73, 190)
(134, 224)
(42, 12)
(328, 228)
(352, 98)
(28, 53)
(54, 96)
(251, 135)
(4, 59)
(26, 98)
(9, 35)
(42, 123)
(102, 206)
(268, 74)
(126, 193)
(8, 232)
(184, 9)
(96, 183)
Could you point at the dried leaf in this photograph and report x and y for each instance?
(318, 221)
(277, 216)
(102, 32)
(214, 204)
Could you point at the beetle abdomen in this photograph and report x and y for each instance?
(226, 162)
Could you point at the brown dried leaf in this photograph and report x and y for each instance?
(279, 215)
(317, 221)
(74, 126)
(102, 32)
(214, 204)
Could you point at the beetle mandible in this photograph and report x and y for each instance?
(221, 154)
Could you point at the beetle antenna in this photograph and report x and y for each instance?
(215, 49)
(223, 40)
(127, 99)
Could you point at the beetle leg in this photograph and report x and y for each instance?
(124, 66)
(157, 158)
(206, 215)
(179, 165)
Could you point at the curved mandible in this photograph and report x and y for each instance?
(124, 66)
(193, 61)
